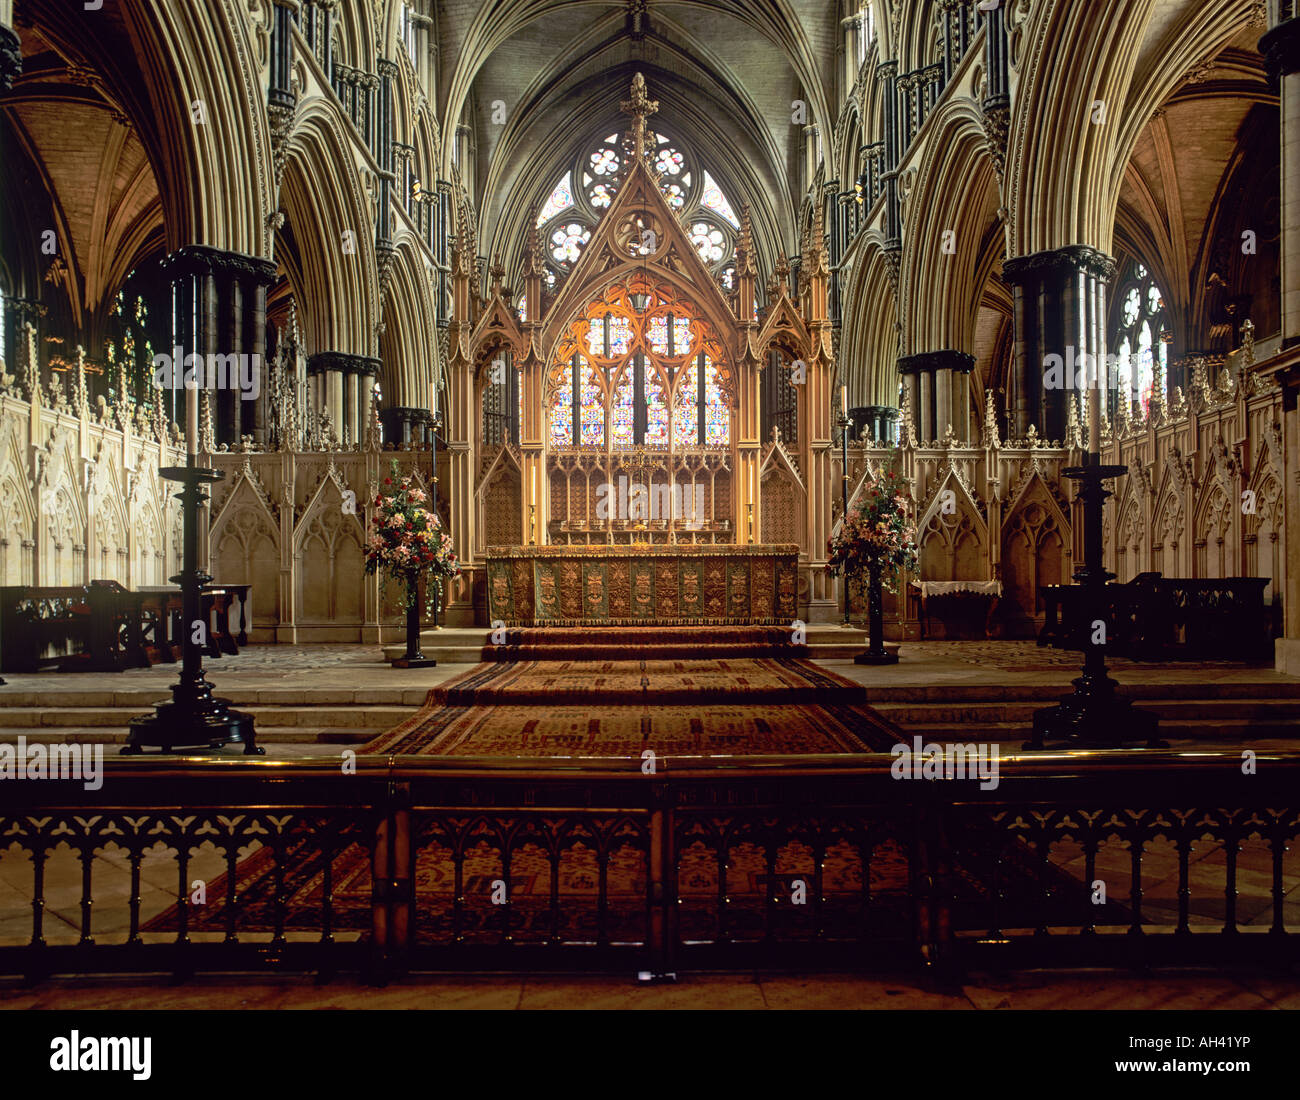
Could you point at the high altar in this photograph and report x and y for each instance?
(623, 468)
(637, 584)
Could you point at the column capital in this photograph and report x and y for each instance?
(11, 57)
(1071, 258)
(929, 361)
(201, 259)
(342, 362)
(1280, 48)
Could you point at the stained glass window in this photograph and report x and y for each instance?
(686, 419)
(562, 411)
(1124, 372)
(656, 410)
(715, 200)
(620, 336)
(669, 161)
(567, 242)
(1145, 368)
(657, 336)
(588, 188)
(604, 162)
(1141, 342)
(650, 366)
(675, 193)
(709, 241)
(717, 417)
(593, 411)
(623, 413)
(561, 199)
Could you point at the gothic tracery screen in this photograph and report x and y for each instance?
(640, 375)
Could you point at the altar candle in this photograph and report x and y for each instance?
(534, 484)
(751, 483)
(844, 400)
(433, 398)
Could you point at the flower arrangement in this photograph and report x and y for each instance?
(878, 534)
(407, 540)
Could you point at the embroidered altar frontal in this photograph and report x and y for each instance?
(630, 585)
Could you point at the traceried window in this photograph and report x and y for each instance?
(654, 376)
(561, 199)
(584, 414)
(709, 241)
(503, 401)
(586, 190)
(713, 199)
(567, 240)
(1140, 341)
(780, 405)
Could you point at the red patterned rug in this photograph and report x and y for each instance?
(1024, 886)
(749, 680)
(731, 707)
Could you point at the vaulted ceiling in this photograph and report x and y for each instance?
(725, 73)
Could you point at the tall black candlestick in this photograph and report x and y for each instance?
(193, 717)
(1094, 716)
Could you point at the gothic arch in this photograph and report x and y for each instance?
(944, 233)
(322, 195)
(953, 544)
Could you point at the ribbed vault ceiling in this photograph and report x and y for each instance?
(724, 72)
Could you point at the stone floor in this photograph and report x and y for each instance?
(350, 674)
(357, 673)
(1029, 991)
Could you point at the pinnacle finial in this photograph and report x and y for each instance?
(640, 107)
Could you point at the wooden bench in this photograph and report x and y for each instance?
(104, 627)
(1153, 618)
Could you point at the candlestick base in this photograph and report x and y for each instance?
(193, 719)
(1094, 717)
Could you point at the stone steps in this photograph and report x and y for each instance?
(1195, 712)
(465, 645)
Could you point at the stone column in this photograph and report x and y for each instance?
(1060, 317)
(942, 401)
(1281, 48)
(335, 375)
(933, 379)
(349, 435)
(219, 309)
(11, 57)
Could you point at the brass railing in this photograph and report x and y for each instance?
(382, 865)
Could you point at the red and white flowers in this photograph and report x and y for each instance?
(407, 540)
(878, 533)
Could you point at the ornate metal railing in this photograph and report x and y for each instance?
(383, 865)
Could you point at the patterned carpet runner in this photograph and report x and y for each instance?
(701, 708)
